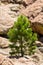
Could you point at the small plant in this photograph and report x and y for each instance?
(22, 37)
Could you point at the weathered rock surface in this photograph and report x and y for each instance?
(6, 22)
(4, 42)
(8, 14)
(5, 51)
(41, 49)
(27, 63)
(41, 63)
(5, 61)
(36, 59)
(37, 23)
(33, 12)
(6, 0)
(24, 61)
(27, 2)
(38, 56)
(39, 44)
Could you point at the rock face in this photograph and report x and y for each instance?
(4, 42)
(8, 14)
(6, 21)
(33, 12)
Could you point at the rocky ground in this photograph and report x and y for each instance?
(9, 11)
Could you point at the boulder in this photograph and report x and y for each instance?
(6, 21)
(35, 13)
(33, 10)
(37, 24)
(4, 42)
(8, 14)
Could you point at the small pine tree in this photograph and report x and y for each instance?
(22, 37)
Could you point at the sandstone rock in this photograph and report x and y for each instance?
(19, 63)
(37, 23)
(1, 58)
(29, 63)
(8, 14)
(4, 42)
(38, 56)
(6, 21)
(39, 44)
(16, 8)
(33, 12)
(3, 52)
(41, 49)
(41, 64)
(7, 0)
(5, 61)
(24, 61)
(27, 2)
